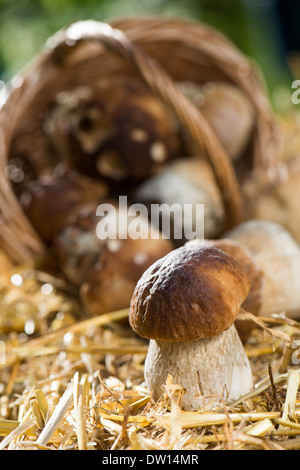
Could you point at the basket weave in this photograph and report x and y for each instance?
(158, 50)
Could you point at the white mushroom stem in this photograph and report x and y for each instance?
(215, 367)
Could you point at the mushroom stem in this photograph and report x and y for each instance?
(207, 368)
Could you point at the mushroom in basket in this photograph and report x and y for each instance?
(106, 267)
(115, 130)
(186, 180)
(51, 201)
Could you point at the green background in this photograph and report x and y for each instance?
(253, 25)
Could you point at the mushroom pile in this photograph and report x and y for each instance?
(106, 270)
(115, 138)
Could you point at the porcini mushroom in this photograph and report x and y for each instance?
(186, 181)
(186, 304)
(106, 270)
(228, 111)
(51, 200)
(112, 280)
(243, 255)
(277, 255)
(116, 129)
(77, 246)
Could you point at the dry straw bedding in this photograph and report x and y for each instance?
(73, 382)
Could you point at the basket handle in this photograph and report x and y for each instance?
(204, 139)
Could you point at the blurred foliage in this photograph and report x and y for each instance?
(250, 24)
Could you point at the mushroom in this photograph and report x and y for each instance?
(228, 111)
(113, 278)
(52, 200)
(186, 304)
(106, 270)
(186, 181)
(277, 255)
(77, 246)
(116, 129)
(254, 299)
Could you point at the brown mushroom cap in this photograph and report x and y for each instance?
(241, 254)
(112, 280)
(254, 300)
(52, 200)
(116, 130)
(193, 292)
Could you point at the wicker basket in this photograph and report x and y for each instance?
(160, 51)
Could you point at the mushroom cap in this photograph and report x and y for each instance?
(112, 279)
(115, 130)
(193, 292)
(186, 181)
(51, 201)
(264, 238)
(254, 300)
(227, 109)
